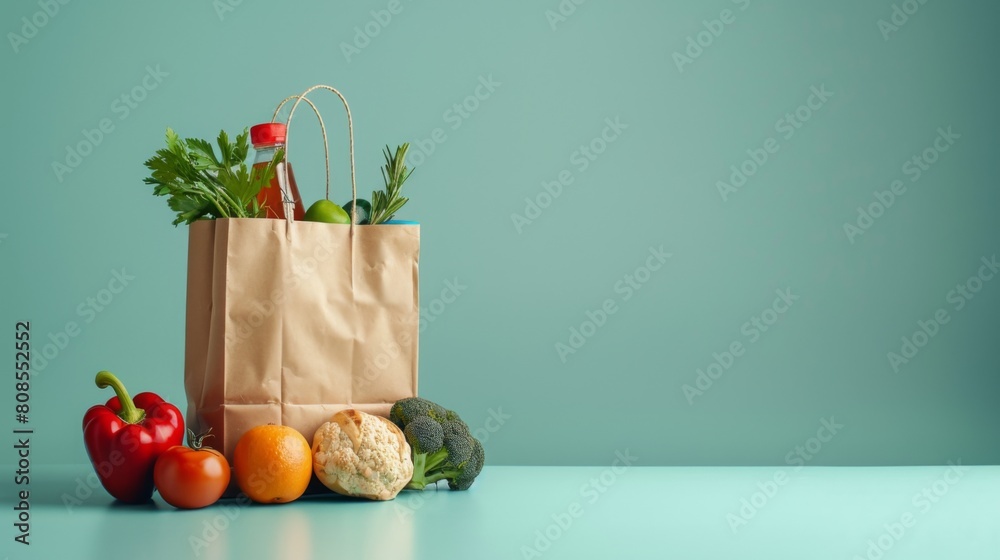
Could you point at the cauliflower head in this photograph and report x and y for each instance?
(363, 455)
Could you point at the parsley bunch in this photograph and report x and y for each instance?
(200, 184)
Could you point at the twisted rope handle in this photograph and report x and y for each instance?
(322, 128)
(350, 133)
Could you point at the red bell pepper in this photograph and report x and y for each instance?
(124, 438)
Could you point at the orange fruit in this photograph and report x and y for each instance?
(272, 464)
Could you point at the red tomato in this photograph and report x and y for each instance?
(191, 478)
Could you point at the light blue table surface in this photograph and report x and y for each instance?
(551, 512)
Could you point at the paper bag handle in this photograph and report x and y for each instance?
(322, 127)
(326, 147)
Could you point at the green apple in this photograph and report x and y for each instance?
(327, 212)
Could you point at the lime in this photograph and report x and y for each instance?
(327, 212)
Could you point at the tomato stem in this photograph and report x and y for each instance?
(197, 441)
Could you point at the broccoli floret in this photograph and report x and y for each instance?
(442, 445)
(458, 441)
(424, 435)
(472, 468)
(405, 410)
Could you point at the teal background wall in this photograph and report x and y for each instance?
(494, 354)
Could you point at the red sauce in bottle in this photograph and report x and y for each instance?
(275, 197)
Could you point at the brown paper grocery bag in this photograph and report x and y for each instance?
(289, 322)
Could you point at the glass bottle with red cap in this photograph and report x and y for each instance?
(276, 197)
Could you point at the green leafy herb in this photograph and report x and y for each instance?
(200, 184)
(387, 202)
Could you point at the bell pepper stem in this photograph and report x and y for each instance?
(129, 412)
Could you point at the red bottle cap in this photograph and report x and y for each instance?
(268, 133)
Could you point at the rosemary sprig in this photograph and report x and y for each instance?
(387, 202)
